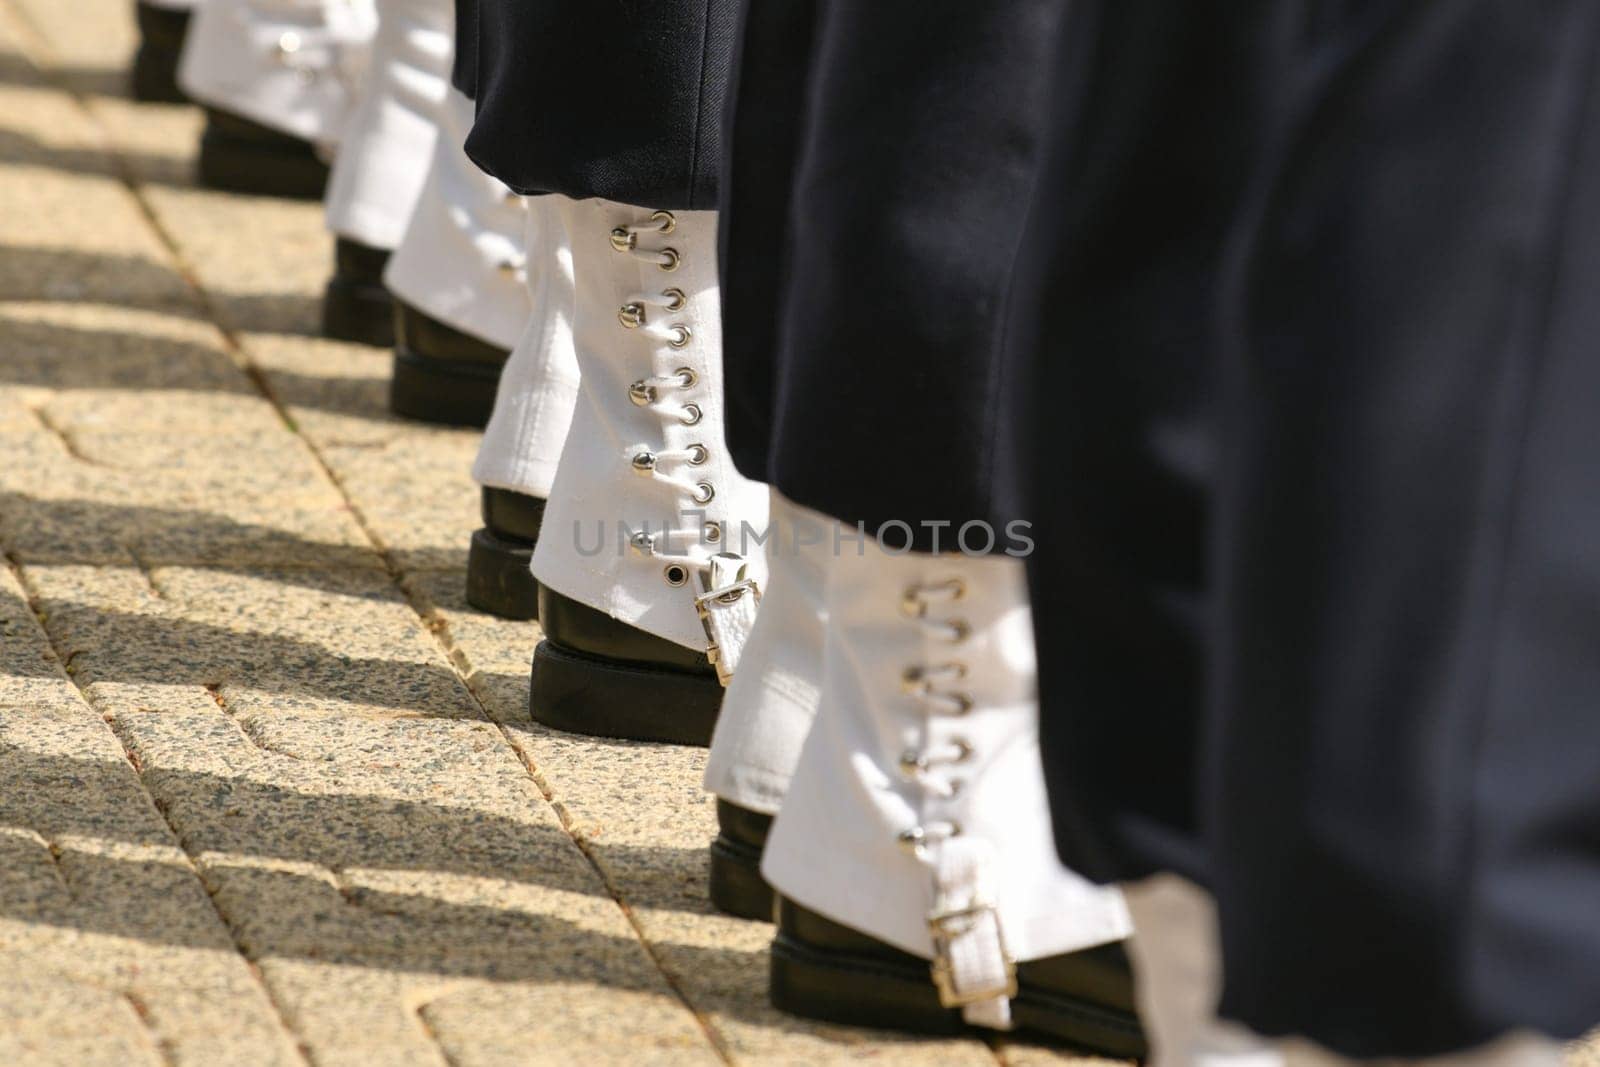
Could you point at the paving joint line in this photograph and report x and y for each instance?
(439, 628)
(64, 438)
(141, 1011)
(564, 816)
(435, 625)
(31, 596)
(40, 45)
(54, 851)
(420, 1014)
(147, 572)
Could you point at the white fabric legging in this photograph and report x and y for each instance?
(1177, 963)
(539, 386)
(388, 138)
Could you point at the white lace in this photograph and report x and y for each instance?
(668, 396)
(932, 684)
(971, 967)
(925, 766)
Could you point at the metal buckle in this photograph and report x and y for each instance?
(946, 926)
(704, 606)
(721, 590)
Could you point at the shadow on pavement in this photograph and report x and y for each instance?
(30, 272)
(341, 917)
(89, 532)
(89, 81)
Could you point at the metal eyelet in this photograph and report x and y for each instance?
(698, 454)
(676, 574)
(644, 464)
(692, 415)
(964, 702)
(963, 749)
(915, 679)
(914, 839)
(673, 259)
(713, 533)
(687, 378)
(642, 543)
(624, 239)
(507, 268)
(679, 300)
(959, 630)
(289, 43)
(707, 493)
(681, 336)
(642, 393)
(632, 316)
(665, 221)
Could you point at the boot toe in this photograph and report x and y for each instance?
(825, 970)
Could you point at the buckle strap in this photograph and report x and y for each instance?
(727, 611)
(971, 967)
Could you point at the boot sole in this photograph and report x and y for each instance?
(581, 694)
(498, 577)
(737, 887)
(443, 391)
(360, 313)
(863, 991)
(239, 165)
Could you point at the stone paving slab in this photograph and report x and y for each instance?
(113, 950)
(269, 791)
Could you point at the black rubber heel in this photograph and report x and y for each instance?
(823, 970)
(240, 156)
(581, 694)
(355, 311)
(498, 579)
(355, 305)
(857, 991)
(154, 77)
(737, 887)
(447, 392)
(1086, 1026)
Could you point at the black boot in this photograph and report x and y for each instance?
(440, 373)
(498, 578)
(355, 305)
(737, 887)
(822, 970)
(241, 156)
(595, 675)
(154, 78)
